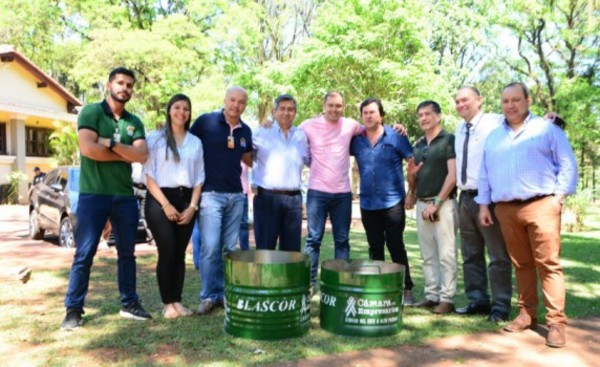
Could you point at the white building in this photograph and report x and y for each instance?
(31, 103)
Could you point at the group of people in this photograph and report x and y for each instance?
(515, 171)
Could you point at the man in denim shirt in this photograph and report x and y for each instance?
(379, 152)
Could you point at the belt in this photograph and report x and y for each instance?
(280, 192)
(470, 192)
(178, 188)
(428, 199)
(527, 201)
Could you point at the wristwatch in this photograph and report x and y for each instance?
(112, 144)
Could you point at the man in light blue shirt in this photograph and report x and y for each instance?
(528, 169)
(280, 153)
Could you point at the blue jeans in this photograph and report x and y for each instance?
(220, 217)
(244, 236)
(339, 208)
(196, 244)
(244, 232)
(92, 212)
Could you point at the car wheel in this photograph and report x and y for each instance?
(65, 233)
(35, 232)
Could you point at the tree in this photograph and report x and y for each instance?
(557, 45)
(367, 49)
(64, 144)
(255, 40)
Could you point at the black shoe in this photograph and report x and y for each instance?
(135, 311)
(472, 309)
(73, 319)
(498, 317)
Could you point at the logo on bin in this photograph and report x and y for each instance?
(371, 312)
(305, 305)
(267, 305)
(351, 307)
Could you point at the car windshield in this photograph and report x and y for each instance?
(73, 187)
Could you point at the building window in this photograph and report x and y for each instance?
(37, 141)
(2, 138)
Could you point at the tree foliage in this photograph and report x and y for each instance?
(64, 144)
(402, 51)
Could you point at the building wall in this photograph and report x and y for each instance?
(25, 104)
(19, 86)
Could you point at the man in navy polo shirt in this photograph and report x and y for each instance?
(379, 152)
(226, 140)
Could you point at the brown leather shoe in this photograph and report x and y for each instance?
(444, 307)
(557, 336)
(521, 323)
(426, 304)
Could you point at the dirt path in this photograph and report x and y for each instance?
(497, 349)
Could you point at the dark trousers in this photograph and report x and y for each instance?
(92, 212)
(277, 217)
(171, 241)
(474, 239)
(386, 226)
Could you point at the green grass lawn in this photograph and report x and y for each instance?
(30, 317)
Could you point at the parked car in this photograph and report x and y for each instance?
(53, 207)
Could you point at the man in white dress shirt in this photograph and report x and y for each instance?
(280, 153)
(470, 137)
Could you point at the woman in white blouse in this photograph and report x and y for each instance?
(174, 176)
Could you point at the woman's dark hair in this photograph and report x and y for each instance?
(168, 129)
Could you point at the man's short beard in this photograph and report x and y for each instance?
(120, 100)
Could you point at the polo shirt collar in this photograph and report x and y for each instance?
(224, 120)
(423, 140)
(109, 112)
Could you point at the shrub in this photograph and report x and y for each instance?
(15, 178)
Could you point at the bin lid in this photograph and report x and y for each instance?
(266, 257)
(360, 267)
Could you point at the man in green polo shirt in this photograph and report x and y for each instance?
(432, 182)
(110, 139)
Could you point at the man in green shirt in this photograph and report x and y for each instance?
(110, 139)
(432, 182)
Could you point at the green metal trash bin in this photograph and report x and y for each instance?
(267, 294)
(361, 298)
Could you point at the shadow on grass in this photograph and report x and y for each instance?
(107, 339)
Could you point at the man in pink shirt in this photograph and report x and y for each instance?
(329, 193)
